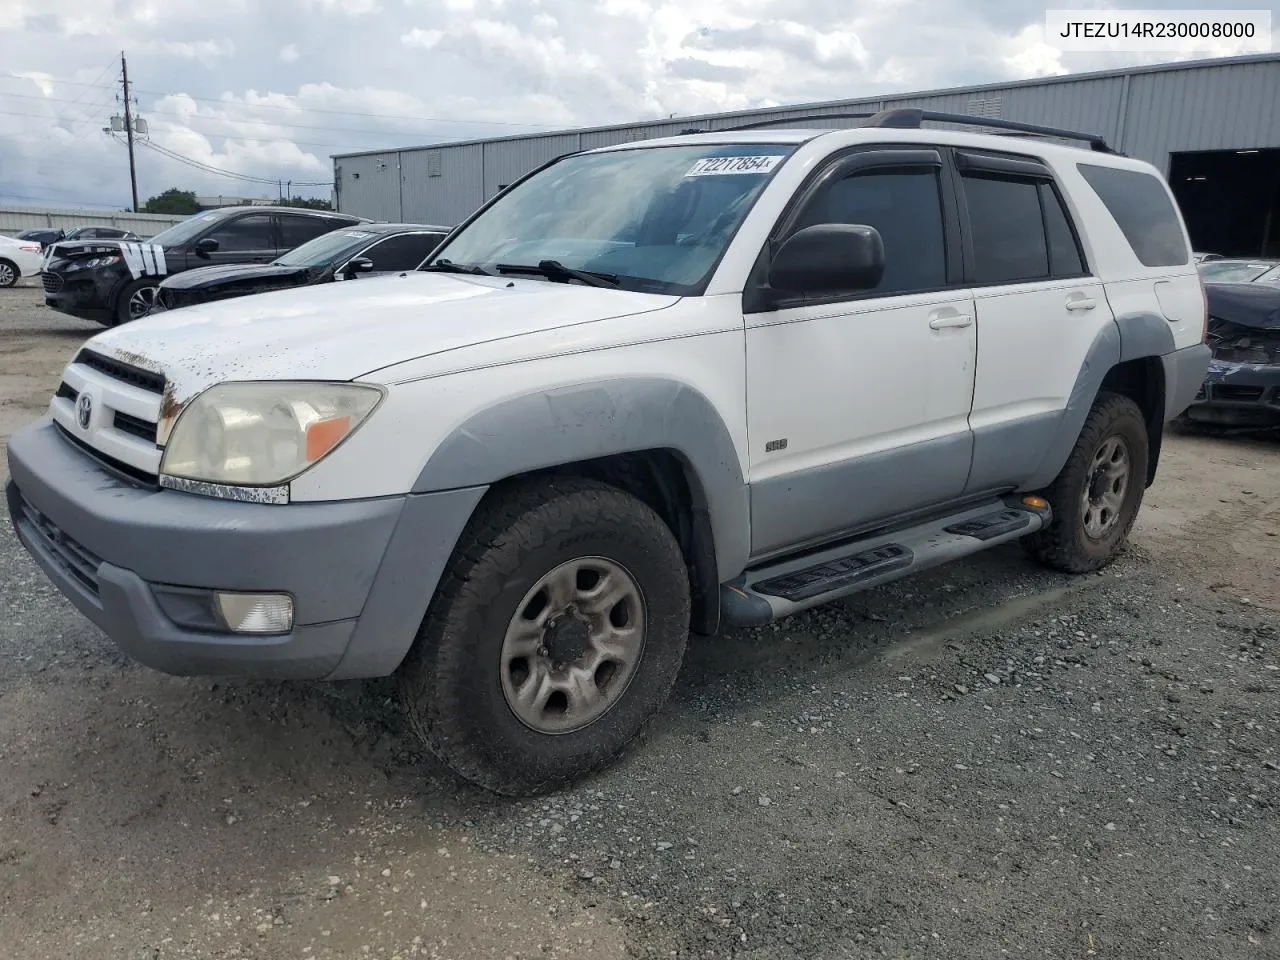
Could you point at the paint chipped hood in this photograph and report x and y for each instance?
(341, 331)
(1246, 304)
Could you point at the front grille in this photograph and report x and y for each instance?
(135, 427)
(125, 372)
(118, 468)
(68, 552)
(52, 282)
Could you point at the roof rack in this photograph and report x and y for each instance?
(910, 118)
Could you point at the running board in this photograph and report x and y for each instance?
(789, 586)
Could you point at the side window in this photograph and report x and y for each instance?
(1064, 250)
(906, 207)
(252, 232)
(1142, 208)
(1008, 233)
(402, 253)
(295, 231)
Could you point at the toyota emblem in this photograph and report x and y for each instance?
(84, 410)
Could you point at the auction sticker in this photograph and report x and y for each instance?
(715, 166)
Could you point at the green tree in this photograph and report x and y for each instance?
(310, 203)
(173, 201)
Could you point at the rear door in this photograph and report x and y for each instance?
(1039, 309)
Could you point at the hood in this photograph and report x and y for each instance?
(341, 331)
(202, 277)
(142, 258)
(1246, 304)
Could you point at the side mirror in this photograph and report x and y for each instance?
(828, 258)
(206, 246)
(357, 265)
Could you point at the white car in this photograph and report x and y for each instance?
(650, 389)
(18, 258)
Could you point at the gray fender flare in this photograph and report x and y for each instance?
(1130, 337)
(584, 421)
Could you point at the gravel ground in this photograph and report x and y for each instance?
(986, 760)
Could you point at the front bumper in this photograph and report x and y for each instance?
(1238, 395)
(85, 294)
(137, 561)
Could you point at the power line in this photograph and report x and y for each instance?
(219, 171)
(295, 108)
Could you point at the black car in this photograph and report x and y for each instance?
(114, 281)
(1242, 387)
(41, 235)
(341, 254)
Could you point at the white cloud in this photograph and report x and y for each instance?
(272, 89)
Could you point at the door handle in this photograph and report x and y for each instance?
(941, 321)
(1082, 303)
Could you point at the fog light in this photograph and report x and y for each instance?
(260, 613)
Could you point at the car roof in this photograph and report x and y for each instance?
(273, 208)
(380, 227)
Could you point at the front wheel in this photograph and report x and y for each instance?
(8, 273)
(554, 638)
(1095, 499)
(136, 300)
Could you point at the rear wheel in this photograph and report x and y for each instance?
(136, 300)
(554, 638)
(8, 273)
(1095, 499)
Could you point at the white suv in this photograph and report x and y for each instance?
(647, 390)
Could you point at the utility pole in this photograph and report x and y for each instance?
(128, 127)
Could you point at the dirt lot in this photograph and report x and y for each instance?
(988, 760)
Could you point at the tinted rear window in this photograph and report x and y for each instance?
(1144, 212)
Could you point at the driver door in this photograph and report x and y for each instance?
(858, 404)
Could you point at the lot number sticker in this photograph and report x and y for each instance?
(719, 166)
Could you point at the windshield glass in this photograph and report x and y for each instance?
(656, 218)
(183, 231)
(325, 249)
(1271, 276)
(1226, 271)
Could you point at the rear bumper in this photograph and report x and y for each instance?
(1237, 395)
(1184, 372)
(142, 565)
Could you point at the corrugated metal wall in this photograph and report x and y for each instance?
(16, 219)
(1145, 113)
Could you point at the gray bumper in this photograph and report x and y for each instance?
(1184, 372)
(137, 562)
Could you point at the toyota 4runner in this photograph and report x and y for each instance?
(648, 390)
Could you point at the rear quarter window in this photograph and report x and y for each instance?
(1144, 211)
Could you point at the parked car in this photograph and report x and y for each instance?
(648, 389)
(1242, 386)
(42, 236)
(18, 258)
(101, 233)
(1240, 270)
(114, 281)
(343, 254)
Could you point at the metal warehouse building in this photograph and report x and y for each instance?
(1211, 126)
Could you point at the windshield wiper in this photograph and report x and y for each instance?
(448, 266)
(555, 270)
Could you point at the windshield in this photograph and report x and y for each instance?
(657, 218)
(325, 249)
(1226, 271)
(181, 232)
(1271, 276)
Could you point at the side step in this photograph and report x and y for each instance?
(789, 586)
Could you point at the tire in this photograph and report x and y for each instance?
(144, 288)
(1083, 539)
(9, 273)
(461, 682)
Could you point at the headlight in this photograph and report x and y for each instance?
(94, 262)
(262, 434)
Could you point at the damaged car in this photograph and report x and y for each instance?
(1242, 386)
(112, 281)
(343, 254)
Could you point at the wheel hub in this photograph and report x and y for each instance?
(567, 637)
